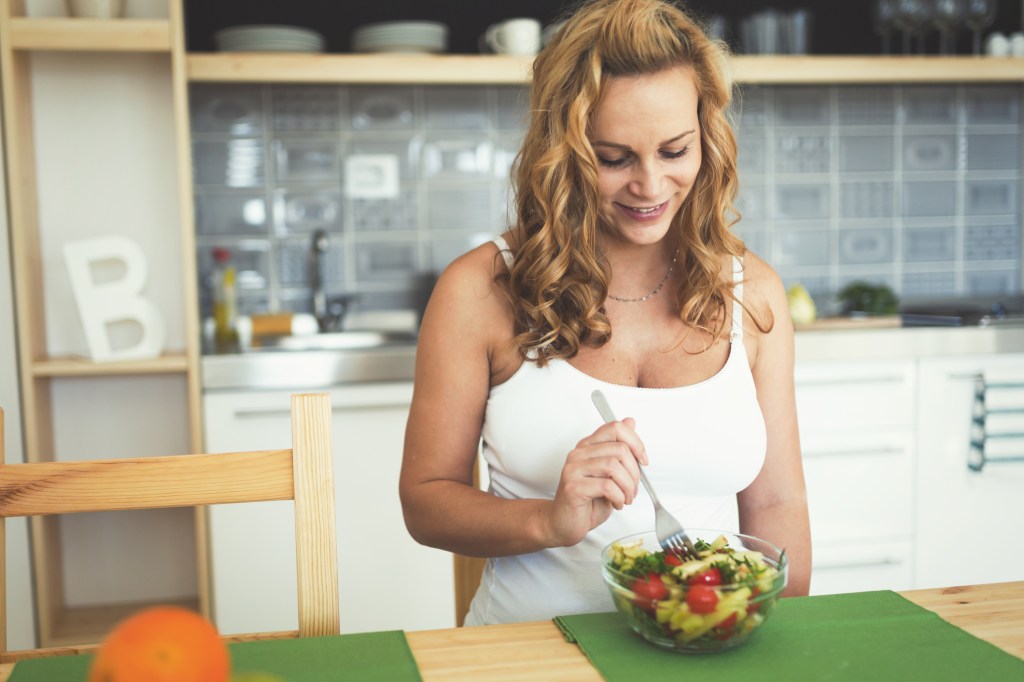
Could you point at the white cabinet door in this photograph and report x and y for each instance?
(969, 521)
(387, 581)
(857, 437)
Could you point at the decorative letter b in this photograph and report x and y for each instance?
(101, 304)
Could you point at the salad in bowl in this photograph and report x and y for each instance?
(695, 604)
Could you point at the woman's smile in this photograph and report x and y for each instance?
(643, 212)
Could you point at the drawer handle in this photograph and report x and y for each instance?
(274, 412)
(888, 379)
(976, 455)
(885, 452)
(877, 563)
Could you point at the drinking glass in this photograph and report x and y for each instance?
(948, 16)
(912, 17)
(884, 16)
(979, 15)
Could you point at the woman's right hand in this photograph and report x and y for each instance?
(600, 474)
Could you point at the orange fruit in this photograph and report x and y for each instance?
(162, 644)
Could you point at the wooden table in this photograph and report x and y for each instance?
(537, 650)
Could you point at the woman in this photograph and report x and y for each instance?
(620, 274)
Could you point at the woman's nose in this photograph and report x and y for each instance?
(646, 182)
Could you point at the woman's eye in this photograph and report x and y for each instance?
(676, 155)
(612, 163)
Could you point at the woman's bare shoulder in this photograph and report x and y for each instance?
(760, 280)
(467, 301)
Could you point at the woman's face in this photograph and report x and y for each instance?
(647, 140)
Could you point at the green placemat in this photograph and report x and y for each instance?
(865, 635)
(366, 657)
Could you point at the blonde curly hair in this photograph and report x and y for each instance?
(558, 281)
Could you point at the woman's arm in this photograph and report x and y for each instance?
(464, 339)
(774, 506)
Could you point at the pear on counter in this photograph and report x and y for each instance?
(801, 306)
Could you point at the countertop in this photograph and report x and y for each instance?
(396, 362)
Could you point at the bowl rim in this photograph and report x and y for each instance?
(781, 562)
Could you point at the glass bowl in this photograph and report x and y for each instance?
(686, 611)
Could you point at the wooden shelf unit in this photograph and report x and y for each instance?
(20, 38)
(236, 67)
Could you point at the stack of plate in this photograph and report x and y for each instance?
(268, 39)
(401, 36)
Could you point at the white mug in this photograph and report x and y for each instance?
(96, 9)
(1017, 44)
(514, 36)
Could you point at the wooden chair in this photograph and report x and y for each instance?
(304, 473)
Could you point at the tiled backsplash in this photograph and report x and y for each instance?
(915, 187)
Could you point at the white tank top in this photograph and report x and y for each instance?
(705, 441)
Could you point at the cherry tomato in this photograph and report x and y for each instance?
(724, 629)
(649, 590)
(701, 598)
(673, 559)
(712, 577)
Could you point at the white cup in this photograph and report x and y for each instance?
(96, 9)
(514, 36)
(997, 45)
(1017, 44)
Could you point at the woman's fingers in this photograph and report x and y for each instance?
(620, 431)
(611, 465)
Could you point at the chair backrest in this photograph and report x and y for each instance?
(304, 473)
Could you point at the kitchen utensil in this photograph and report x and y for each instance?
(671, 535)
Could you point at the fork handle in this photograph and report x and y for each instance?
(601, 403)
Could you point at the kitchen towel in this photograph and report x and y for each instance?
(866, 635)
(367, 657)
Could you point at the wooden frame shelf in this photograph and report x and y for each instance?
(22, 39)
(91, 35)
(82, 367)
(236, 67)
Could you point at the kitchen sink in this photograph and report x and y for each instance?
(965, 313)
(346, 340)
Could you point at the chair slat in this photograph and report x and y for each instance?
(43, 488)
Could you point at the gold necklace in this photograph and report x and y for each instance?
(656, 289)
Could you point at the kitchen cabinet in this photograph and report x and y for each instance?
(968, 519)
(386, 579)
(858, 441)
(81, 165)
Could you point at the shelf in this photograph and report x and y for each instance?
(81, 367)
(839, 70)
(357, 68)
(505, 70)
(93, 35)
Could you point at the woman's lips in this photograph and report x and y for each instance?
(643, 213)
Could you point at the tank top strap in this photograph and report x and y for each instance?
(506, 253)
(737, 310)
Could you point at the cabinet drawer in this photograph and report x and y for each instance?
(861, 567)
(853, 396)
(859, 485)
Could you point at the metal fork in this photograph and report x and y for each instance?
(671, 535)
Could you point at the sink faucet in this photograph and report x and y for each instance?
(316, 278)
(328, 312)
